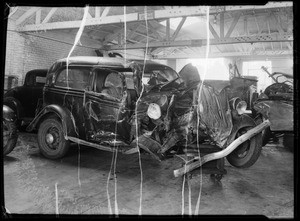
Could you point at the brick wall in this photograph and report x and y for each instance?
(27, 52)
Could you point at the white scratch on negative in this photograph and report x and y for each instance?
(56, 200)
(199, 95)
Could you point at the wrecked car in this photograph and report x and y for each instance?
(133, 106)
(276, 104)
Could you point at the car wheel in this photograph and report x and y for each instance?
(266, 133)
(10, 136)
(288, 141)
(246, 154)
(51, 139)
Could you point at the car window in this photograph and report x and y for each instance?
(77, 78)
(113, 85)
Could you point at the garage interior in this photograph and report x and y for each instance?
(218, 40)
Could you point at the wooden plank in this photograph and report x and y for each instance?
(178, 29)
(212, 30)
(27, 14)
(222, 25)
(274, 37)
(232, 26)
(223, 153)
(97, 12)
(153, 30)
(105, 12)
(38, 17)
(168, 29)
(49, 15)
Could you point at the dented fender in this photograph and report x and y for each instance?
(239, 121)
(64, 114)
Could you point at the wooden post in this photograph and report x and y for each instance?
(225, 152)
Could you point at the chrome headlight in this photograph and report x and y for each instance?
(154, 111)
(241, 107)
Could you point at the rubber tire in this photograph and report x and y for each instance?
(12, 141)
(64, 144)
(288, 141)
(255, 147)
(266, 133)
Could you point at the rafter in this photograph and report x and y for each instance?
(38, 17)
(275, 37)
(212, 30)
(105, 12)
(155, 15)
(27, 14)
(153, 30)
(226, 54)
(97, 12)
(49, 15)
(178, 29)
(233, 24)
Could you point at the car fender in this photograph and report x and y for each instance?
(15, 105)
(239, 121)
(8, 113)
(65, 116)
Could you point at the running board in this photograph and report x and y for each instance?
(223, 153)
(124, 149)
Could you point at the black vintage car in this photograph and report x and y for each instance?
(23, 100)
(130, 106)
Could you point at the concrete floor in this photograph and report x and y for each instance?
(77, 184)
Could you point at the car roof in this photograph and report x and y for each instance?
(110, 62)
(93, 60)
(38, 71)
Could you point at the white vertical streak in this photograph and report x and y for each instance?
(78, 172)
(136, 121)
(199, 99)
(182, 194)
(125, 34)
(107, 184)
(115, 179)
(77, 38)
(56, 200)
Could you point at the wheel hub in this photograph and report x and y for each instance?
(49, 138)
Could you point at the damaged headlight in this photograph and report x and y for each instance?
(154, 111)
(239, 105)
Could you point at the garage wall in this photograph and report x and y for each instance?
(279, 64)
(26, 52)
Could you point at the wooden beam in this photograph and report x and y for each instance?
(49, 15)
(97, 12)
(113, 36)
(275, 37)
(178, 29)
(133, 17)
(27, 14)
(222, 25)
(168, 29)
(105, 12)
(278, 25)
(38, 17)
(256, 53)
(212, 30)
(153, 30)
(13, 11)
(233, 24)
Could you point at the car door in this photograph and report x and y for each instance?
(106, 107)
